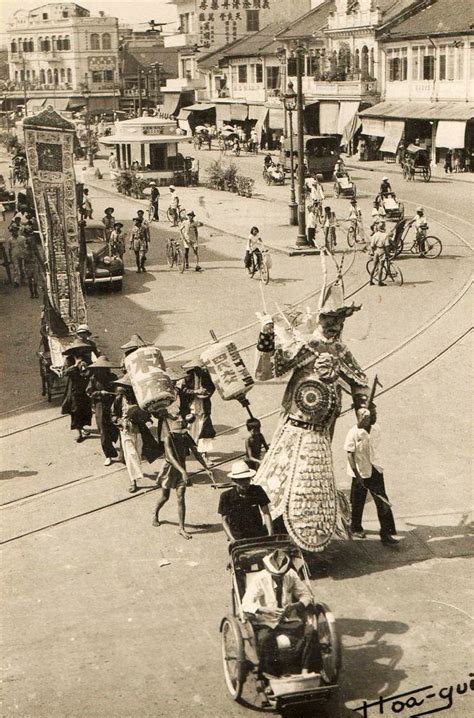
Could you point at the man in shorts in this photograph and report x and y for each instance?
(173, 475)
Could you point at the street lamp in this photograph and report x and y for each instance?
(289, 103)
(301, 240)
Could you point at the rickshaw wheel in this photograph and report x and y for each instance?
(351, 236)
(233, 657)
(330, 643)
(336, 190)
(402, 210)
(426, 174)
(354, 189)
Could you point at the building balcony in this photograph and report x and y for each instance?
(340, 90)
(182, 39)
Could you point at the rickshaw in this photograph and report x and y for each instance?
(202, 137)
(343, 185)
(416, 161)
(394, 210)
(270, 176)
(51, 364)
(239, 645)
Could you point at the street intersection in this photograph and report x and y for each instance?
(84, 570)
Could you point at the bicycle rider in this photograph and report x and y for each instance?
(421, 228)
(255, 248)
(379, 245)
(385, 188)
(174, 204)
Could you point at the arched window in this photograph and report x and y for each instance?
(95, 42)
(59, 43)
(357, 61)
(32, 45)
(14, 46)
(27, 74)
(106, 41)
(42, 77)
(26, 46)
(69, 75)
(49, 77)
(33, 75)
(16, 75)
(46, 45)
(364, 62)
(56, 76)
(62, 73)
(372, 63)
(66, 43)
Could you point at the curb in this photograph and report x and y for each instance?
(457, 178)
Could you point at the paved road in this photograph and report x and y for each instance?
(104, 629)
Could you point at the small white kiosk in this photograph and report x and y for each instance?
(147, 144)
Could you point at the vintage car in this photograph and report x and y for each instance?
(102, 268)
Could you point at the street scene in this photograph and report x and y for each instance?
(236, 420)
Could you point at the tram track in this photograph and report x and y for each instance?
(122, 500)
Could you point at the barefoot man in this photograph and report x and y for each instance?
(178, 443)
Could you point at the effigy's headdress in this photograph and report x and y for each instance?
(331, 300)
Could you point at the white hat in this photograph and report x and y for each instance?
(277, 562)
(419, 209)
(384, 179)
(240, 470)
(172, 187)
(83, 328)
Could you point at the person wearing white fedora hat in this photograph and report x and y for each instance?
(277, 600)
(244, 505)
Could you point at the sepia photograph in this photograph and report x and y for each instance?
(239, 484)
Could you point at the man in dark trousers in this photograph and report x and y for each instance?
(154, 200)
(139, 244)
(366, 477)
(244, 506)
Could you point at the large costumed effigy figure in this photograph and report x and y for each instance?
(297, 472)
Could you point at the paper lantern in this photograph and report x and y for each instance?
(153, 388)
(227, 370)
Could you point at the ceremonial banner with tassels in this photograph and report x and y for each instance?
(49, 150)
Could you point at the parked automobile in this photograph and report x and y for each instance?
(102, 267)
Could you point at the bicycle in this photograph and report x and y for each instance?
(176, 215)
(259, 263)
(389, 271)
(426, 246)
(175, 254)
(354, 234)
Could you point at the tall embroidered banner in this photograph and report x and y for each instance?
(49, 150)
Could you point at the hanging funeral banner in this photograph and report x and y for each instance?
(49, 150)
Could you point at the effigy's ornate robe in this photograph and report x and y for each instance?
(297, 472)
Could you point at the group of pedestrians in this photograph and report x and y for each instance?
(22, 253)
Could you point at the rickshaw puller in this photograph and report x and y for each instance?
(277, 587)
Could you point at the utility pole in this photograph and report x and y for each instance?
(25, 99)
(140, 91)
(301, 240)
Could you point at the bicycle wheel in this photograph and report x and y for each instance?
(151, 213)
(180, 259)
(395, 274)
(383, 274)
(264, 272)
(170, 255)
(432, 247)
(251, 269)
(320, 215)
(351, 236)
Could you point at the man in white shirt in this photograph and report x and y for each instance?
(379, 245)
(275, 598)
(365, 477)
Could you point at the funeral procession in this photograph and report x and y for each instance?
(240, 482)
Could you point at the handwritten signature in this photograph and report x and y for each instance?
(413, 700)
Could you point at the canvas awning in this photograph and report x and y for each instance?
(393, 135)
(258, 112)
(200, 107)
(238, 112)
(34, 106)
(347, 111)
(222, 113)
(170, 103)
(276, 118)
(184, 113)
(421, 110)
(451, 134)
(350, 129)
(328, 118)
(75, 104)
(373, 127)
(59, 103)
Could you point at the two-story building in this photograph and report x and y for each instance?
(56, 51)
(427, 60)
(207, 25)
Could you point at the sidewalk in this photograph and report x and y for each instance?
(394, 168)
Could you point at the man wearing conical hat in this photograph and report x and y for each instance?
(101, 391)
(297, 471)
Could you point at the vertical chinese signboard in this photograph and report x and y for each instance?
(49, 150)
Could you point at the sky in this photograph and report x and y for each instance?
(131, 12)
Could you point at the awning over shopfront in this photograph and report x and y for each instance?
(421, 111)
(276, 118)
(170, 103)
(451, 134)
(328, 118)
(350, 129)
(184, 113)
(238, 112)
(34, 106)
(393, 135)
(373, 127)
(199, 107)
(222, 113)
(258, 112)
(59, 103)
(75, 104)
(347, 111)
